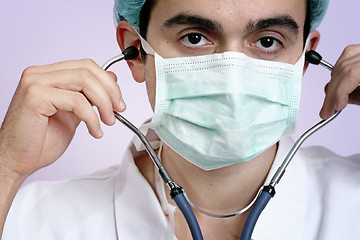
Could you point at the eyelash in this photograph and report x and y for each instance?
(184, 40)
(191, 45)
(265, 50)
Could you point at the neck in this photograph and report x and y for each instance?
(220, 191)
(224, 190)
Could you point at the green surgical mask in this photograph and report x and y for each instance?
(221, 109)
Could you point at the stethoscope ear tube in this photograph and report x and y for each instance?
(269, 190)
(176, 192)
(265, 196)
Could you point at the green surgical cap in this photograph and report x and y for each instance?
(129, 10)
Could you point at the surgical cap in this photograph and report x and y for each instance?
(129, 10)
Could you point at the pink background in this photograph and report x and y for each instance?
(41, 31)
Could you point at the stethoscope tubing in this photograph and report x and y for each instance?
(266, 195)
(190, 218)
(257, 209)
(269, 190)
(177, 192)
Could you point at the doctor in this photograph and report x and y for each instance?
(129, 201)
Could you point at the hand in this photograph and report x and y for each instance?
(46, 109)
(343, 87)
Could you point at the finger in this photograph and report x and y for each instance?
(347, 83)
(349, 55)
(341, 86)
(47, 101)
(354, 97)
(122, 106)
(343, 66)
(328, 107)
(73, 64)
(103, 77)
(112, 75)
(82, 81)
(349, 52)
(338, 89)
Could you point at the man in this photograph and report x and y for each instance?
(53, 100)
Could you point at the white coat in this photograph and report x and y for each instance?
(318, 199)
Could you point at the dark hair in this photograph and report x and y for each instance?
(148, 5)
(144, 22)
(307, 24)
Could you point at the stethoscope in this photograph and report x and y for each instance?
(178, 194)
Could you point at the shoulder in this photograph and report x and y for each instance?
(329, 165)
(317, 197)
(317, 163)
(330, 173)
(84, 186)
(58, 208)
(333, 193)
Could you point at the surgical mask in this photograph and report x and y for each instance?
(221, 109)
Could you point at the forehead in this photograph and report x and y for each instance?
(231, 13)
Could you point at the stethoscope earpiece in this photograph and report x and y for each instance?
(177, 193)
(130, 53)
(315, 58)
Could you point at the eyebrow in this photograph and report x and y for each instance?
(282, 21)
(189, 19)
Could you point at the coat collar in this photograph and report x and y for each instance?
(284, 215)
(138, 210)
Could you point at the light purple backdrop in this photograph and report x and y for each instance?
(41, 32)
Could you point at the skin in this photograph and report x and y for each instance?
(169, 35)
(51, 100)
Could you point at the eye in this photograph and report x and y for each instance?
(268, 44)
(195, 40)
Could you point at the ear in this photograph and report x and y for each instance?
(127, 37)
(314, 39)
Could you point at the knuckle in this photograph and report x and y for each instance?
(352, 70)
(341, 70)
(349, 49)
(115, 91)
(78, 100)
(84, 73)
(346, 69)
(89, 62)
(28, 77)
(28, 70)
(352, 73)
(26, 81)
(33, 91)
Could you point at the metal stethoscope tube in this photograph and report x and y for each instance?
(268, 191)
(177, 192)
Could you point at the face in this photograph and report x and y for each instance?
(264, 29)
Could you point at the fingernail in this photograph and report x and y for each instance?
(100, 133)
(322, 113)
(113, 119)
(122, 104)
